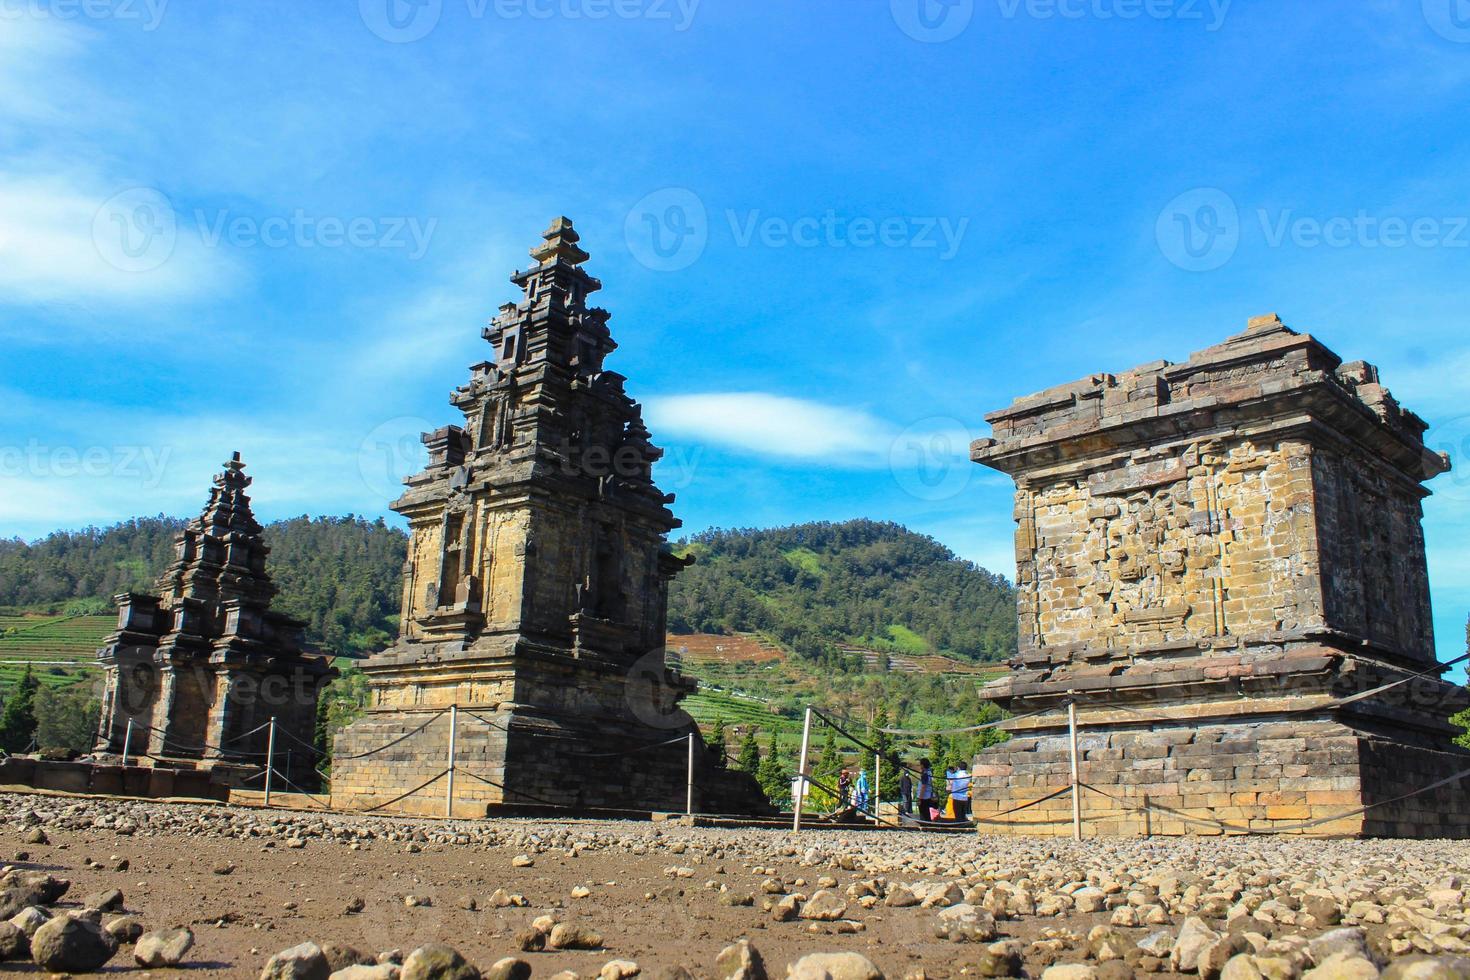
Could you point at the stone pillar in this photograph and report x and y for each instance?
(160, 719)
(222, 722)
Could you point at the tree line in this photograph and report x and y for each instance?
(815, 586)
(342, 576)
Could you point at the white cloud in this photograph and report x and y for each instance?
(78, 237)
(774, 425)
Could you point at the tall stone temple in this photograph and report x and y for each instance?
(536, 587)
(205, 662)
(1210, 558)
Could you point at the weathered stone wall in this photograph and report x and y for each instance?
(1210, 557)
(1183, 545)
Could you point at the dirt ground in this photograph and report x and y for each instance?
(277, 897)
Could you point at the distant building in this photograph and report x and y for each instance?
(200, 666)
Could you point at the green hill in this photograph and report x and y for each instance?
(819, 588)
(342, 575)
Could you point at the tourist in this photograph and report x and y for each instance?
(860, 793)
(906, 793)
(959, 793)
(926, 791)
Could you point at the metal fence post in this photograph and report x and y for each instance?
(128, 742)
(877, 789)
(453, 736)
(801, 774)
(689, 798)
(1076, 782)
(270, 759)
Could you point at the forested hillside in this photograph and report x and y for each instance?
(341, 575)
(815, 586)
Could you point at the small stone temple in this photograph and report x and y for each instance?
(206, 660)
(1210, 557)
(536, 587)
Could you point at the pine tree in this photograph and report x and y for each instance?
(750, 754)
(715, 740)
(772, 775)
(829, 763)
(18, 720)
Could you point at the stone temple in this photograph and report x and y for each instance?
(536, 587)
(206, 661)
(1210, 556)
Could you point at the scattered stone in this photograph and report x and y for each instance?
(824, 906)
(1193, 940)
(740, 961)
(125, 928)
(36, 836)
(1070, 971)
(104, 901)
(965, 924)
(28, 920)
(1001, 959)
(166, 947)
(224, 869)
(303, 962)
(1343, 966)
(355, 905)
(509, 968)
(14, 944)
(339, 956)
(437, 961)
(70, 945)
(522, 861)
(834, 966)
(377, 971)
(618, 970)
(1428, 968)
(787, 908)
(573, 935)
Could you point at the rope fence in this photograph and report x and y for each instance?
(803, 780)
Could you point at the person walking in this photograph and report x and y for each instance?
(959, 793)
(860, 794)
(926, 791)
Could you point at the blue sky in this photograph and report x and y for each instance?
(832, 234)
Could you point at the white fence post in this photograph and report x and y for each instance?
(877, 789)
(1076, 782)
(689, 798)
(801, 775)
(453, 736)
(270, 760)
(128, 742)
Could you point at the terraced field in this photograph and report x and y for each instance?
(60, 649)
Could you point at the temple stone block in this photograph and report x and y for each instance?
(193, 672)
(1211, 558)
(536, 588)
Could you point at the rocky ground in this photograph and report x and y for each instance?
(236, 892)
